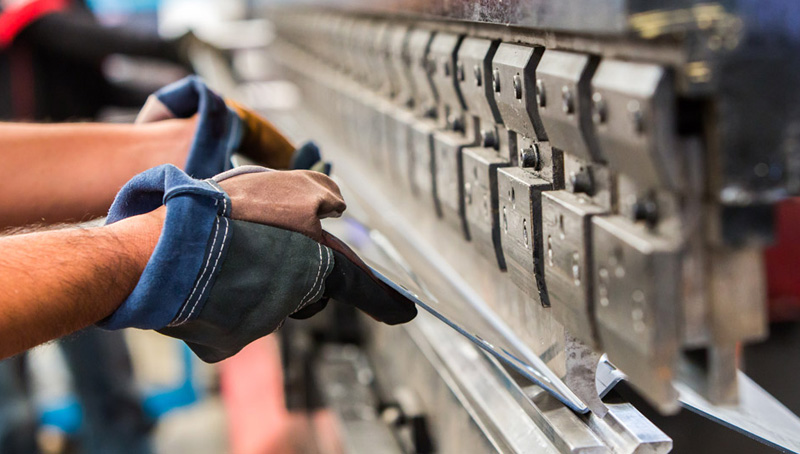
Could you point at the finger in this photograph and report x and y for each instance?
(310, 310)
(351, 284)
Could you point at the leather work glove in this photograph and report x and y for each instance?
(241, 252)
(225, 127)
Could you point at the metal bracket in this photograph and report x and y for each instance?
(637, 288)
(567, 239)
(565, 102)
(514, 86)
(520, 212)
(633, 109)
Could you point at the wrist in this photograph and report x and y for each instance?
(140, 235)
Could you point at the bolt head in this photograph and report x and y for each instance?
(529, 157)
(646, 210)
(488, 139)
(581, 182)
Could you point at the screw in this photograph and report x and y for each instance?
(460, 71)
(530, 157)
(496, 80)
(567, 103)
(517, 86)
(599, 109)
(488, 139)
(541, 97)
(478, 75)
(581, 182)
(455, 123)
(646, 210)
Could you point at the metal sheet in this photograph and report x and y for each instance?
(477, 323)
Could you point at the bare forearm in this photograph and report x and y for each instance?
(71, 172)
(56, 282)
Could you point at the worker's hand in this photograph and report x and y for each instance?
(224, 127)
(241, 252)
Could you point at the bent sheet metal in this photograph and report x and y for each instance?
(758, 415)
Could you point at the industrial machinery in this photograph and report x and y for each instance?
(589, 186)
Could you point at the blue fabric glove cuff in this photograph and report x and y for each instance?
(219, 129)
(189, 253)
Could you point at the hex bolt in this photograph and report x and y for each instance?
(478, 75)
(455, 123)
(530, 157)
(646, 210)
(517, 86)
(599, 109)
(496, 80)
(541, 95)
(460, 71)
(488, 138)
(581, 182)
(567, 101)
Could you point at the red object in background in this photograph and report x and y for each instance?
(783, 264)
(14, 19)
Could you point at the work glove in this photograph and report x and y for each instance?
(225, 127)
(239, 253)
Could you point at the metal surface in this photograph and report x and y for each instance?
(633, 110)
(636, 313)
(514, 86)
(346, 382)
(657, 259)
(520, 210)
(565, 102)
(462, 312)
(568, 261)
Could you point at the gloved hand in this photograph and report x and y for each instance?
(224, 127)
(241, 252)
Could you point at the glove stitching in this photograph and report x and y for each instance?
(314, 285)
(176, 321)
(213, 270)
(216, 186)
(319, 282)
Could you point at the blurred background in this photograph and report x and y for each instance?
(134, 392)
